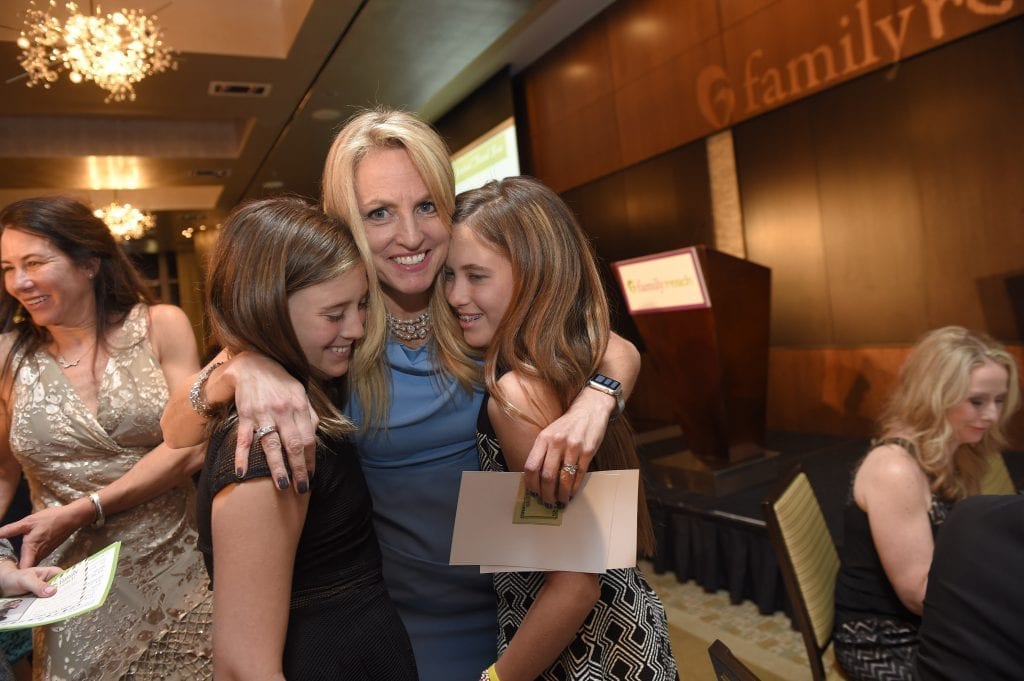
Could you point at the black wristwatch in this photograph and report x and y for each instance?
(609, 386)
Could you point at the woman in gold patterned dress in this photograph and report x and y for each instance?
(87, 363)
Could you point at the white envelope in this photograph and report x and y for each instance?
(598, 530)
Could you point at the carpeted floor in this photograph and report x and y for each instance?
(767, 644)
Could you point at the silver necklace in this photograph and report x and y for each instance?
(409, 330)
(65, 364)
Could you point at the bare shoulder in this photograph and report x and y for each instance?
(889, 471)
(168, 318)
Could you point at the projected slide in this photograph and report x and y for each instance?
(491, 156)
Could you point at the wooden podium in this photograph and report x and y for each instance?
(704, 317)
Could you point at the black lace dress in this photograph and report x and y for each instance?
(342, 623)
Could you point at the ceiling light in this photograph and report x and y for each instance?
(124, 220)
(115, 50)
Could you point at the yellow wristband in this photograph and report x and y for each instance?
(493, 673)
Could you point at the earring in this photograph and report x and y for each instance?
(19, 315)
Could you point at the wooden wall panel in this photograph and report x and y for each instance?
(965, 142)
(704, 65)
(646, 34)
(665, 89)
(778, 181)
(870, 213)
(842, 391)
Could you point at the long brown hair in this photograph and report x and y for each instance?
(266, 251)
(75, 231)
(934, 378)
(389, 129)
(556, 326)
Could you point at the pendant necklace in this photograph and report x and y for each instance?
(65, 364)
(409, 330)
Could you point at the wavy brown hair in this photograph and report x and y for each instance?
(384, 128)
(557, 324)
(266, 251)
(75, 231)
(934, 378)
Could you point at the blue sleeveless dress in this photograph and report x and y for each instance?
(413, 471)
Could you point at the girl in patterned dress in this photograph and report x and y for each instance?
(523, 280)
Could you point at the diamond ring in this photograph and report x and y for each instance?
(570, 468)
(263, 431)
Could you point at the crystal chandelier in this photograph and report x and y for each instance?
(124, 220)
(115, 50)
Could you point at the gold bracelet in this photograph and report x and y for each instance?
(492, 673)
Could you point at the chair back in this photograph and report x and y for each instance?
(997, 477)
(727, 666)
(807, 559)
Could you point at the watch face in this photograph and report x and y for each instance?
(610, 383)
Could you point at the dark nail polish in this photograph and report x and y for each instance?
(238, 473)
(560, 505)
(303, 487)
(282, 482)
(549, 506)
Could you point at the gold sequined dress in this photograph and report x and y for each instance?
(156, 620)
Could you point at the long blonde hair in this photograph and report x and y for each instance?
(935, 378)
(389, 129)
(557, 324)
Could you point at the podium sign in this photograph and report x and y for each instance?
(703, 317)
(663, 282)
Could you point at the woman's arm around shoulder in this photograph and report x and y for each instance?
(893, 491)
(255, 533)
(264, 395)
(573, 437)
(565, 600)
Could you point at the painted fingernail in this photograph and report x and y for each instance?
(549, 506)
(560, 505)
(239, 473)
(282, 482)
(303, 487)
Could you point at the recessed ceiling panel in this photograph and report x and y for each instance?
(241, 28)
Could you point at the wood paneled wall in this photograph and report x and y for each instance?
(825, 390)
(885, 206)
(646, 76)
(893, 204)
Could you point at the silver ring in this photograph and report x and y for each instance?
(263, 431)
(570, 468)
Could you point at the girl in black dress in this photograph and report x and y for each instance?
(298, 591)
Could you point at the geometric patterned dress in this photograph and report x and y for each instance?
(155, 623)
(625, 636)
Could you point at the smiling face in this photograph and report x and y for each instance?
(53, 289)
(328, 318)
(405, 232)
(478, 285)
(981, 409)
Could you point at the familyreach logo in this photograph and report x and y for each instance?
(865, 41)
